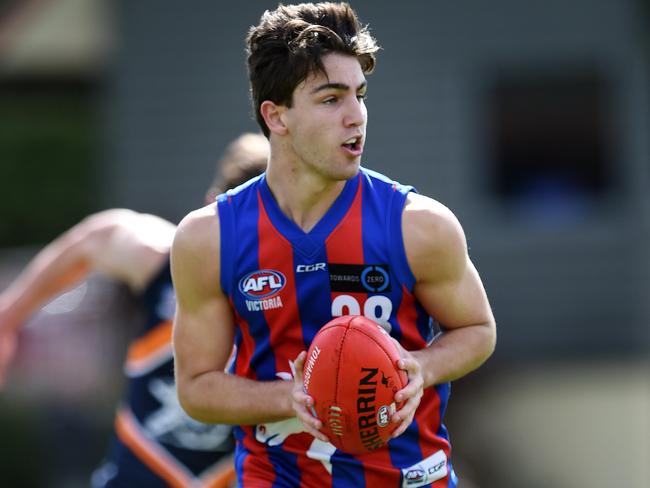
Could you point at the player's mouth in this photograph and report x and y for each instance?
(353, 146)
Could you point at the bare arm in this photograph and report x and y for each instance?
(203, 336)
(119, 243)
(449, 288)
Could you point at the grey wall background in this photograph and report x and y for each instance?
(180, 94)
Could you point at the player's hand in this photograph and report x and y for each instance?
(411, 394)
(302, 402)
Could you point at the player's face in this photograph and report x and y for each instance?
(327, 120)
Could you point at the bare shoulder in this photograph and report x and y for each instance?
(195, 254)
(433, 238)
(136, 226)
(127, 245)
(152, 230)
(105, 222)
(199, 230)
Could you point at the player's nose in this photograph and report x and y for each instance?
(355, 113)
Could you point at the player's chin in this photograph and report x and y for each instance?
(350, 169)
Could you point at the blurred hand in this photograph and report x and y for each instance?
(411, 394)
(302, 402)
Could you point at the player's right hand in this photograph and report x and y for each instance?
(303, 403)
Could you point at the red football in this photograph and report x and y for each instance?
(352, 375)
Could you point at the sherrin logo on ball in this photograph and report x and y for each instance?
(352, 375)
(261, 284)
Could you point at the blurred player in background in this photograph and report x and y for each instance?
(317, 236)
(156, 443)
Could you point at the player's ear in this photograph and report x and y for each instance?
(273, 115)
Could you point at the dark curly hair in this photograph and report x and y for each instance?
(288, 45)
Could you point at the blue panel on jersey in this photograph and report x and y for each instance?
(392, 216)
(227, 245)
(425, 323)
(444, 391)
(405, 448)
(241, 453)
(347, 472)
(285, 467)
(311, 278)
(309, 243)
(453, 479)
(377, 247)
(384, 211)
(244, 217)
(237, 342)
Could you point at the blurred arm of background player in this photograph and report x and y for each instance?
(122, 244)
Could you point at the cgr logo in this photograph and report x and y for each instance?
(308, 268)
(262, 283)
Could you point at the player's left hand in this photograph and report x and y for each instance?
(411, 394)
(302, 403)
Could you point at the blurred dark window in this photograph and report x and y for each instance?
(48, 155)
(551, 147)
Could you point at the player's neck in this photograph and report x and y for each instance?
(304, 197)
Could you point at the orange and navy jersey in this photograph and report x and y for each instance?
(156, 443)
(284, 284)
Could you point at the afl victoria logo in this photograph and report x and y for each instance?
(261, 284)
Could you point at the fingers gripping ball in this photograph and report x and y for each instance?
(352, 375)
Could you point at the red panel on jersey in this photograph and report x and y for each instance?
(257, 464)
(245, 349)
(345, 246)
(380, 477)
(311, 473)
(407, 316)
(284, 326)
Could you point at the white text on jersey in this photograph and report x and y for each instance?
(308, 268)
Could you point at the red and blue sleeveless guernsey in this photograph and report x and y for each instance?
(284, 284)
(156, 444)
